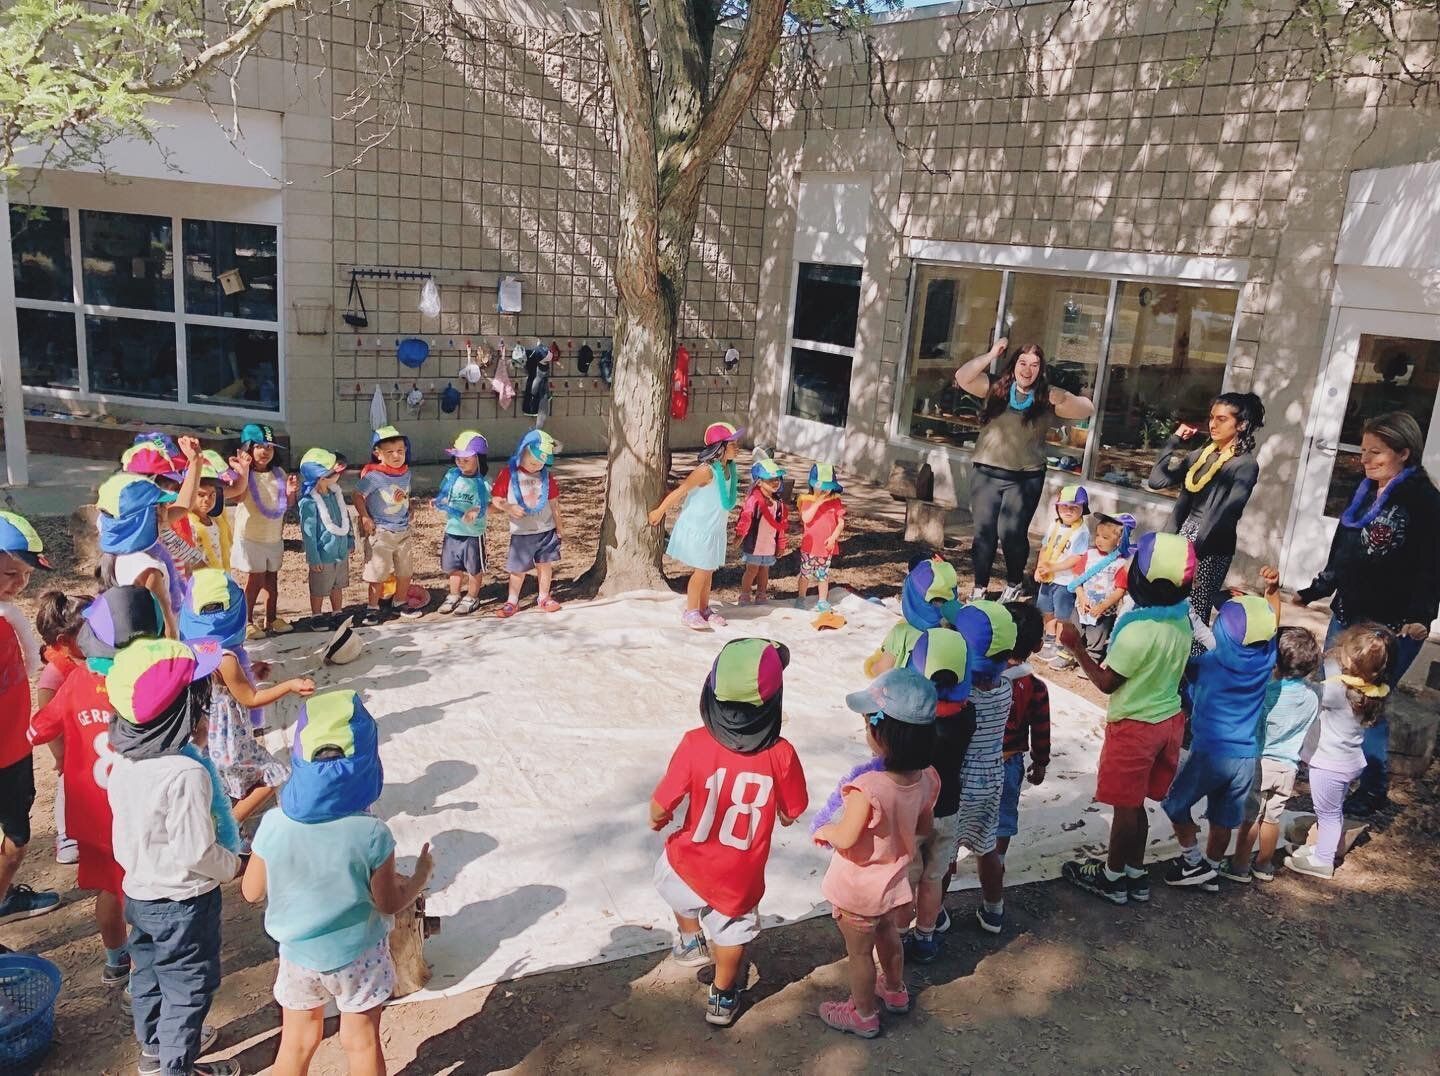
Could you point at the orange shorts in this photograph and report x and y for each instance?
(1138, 760)
(98, 870)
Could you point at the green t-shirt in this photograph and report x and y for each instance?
(1151, 655)
(900, 642)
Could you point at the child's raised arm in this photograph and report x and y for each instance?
(701, 476)
(846, 830)
(392, 891)
(249, 697)
(185, 499)
(1270, 577)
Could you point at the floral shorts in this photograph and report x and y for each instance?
(362, 984)
(814, 567)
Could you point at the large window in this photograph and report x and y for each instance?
(103, 310)
(822, 341)
(1151, 354)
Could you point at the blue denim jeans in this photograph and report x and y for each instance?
(174, 973)
(1375, 781)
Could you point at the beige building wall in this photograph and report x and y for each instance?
(1129, 131)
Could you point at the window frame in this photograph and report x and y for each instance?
(792, 341)
(900, 435)
(178, 317)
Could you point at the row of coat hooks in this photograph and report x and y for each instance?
(367, 273)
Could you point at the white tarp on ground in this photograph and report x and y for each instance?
(525, 752)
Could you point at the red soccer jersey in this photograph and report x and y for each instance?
(721, 849)
(14, 697)
(80, 711)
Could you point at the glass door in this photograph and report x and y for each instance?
(1379, 362)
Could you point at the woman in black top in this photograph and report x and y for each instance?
(1384, 565)
(1215, 484)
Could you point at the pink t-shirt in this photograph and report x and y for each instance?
(766, 537)
(872, 876)
(52, 676)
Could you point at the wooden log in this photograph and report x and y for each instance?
(85, 537)
(911, 480)
(925, 524)
(1303, 829)
(407, 947)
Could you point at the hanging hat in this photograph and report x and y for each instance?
(150, 458)
(470, 443)
(412, 352)
(255, 433)
(989, 632)
(1247, 620)
(214, 607)
(450, 399)
(149, 674)
(324, 790)
(1162, 570)
(1074, 496)
(943, 649)
(127, 512)
(731, 360)
(114, 620)
(931, 581)
(584, 358)
(471, 372)
(740, 700)
(318, 463)
(823, 479)
(902, 694)
(766, 470)
(19, 539)
(540, 444)
(345, 645)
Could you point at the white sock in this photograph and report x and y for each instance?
(994, 907)
(1134, 872)
(1191, 855)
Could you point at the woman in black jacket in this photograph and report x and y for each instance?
(1384, 566)
(1215, 484)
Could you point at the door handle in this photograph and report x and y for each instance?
(1330, 448)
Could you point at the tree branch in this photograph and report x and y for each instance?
(238, 40)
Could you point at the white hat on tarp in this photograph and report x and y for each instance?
(345, 645)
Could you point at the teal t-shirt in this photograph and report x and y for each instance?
(319, 907)
(1151, 655)
(459, 493)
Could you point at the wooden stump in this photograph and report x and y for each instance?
(85, 536)
(925, 524)
(1303, 829)
(911, 480)
(407, 947)
(1412, 734)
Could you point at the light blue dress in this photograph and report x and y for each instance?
(701, 531)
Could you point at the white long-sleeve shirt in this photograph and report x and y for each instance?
(164, 835)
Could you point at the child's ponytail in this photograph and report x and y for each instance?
(1365, 654)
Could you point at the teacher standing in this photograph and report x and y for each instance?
(1007, 474)
(1215, 484)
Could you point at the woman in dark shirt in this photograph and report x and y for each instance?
(1215, 484)
(1384, 566)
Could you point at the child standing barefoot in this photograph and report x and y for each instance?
(710, 493)
(823, 514)
(884, 812)
(761, 530)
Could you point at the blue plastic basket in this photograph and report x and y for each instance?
(29, 986)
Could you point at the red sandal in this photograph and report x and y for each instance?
(506, 611)
(548, 604)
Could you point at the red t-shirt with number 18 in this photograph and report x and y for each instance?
(721, 848)
(80, 711)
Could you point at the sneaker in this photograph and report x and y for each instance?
(1138, 888)
(1048, 649)
(1090, 876)
(1232, 873)
(1202, 874)
(254, 632)
(22, 902)
(1262, 873)
(977, 594)
(896, 1000)
(990, 922)
(448, 605)
(1063, 661)
(691, 952)
(745, 600)
(841, 1015)
(150, 1060)
(694, 620)
(409, 613)
(1014, 592)
(1303, 861)
(115, 974)
(67, 853)
(714, 619)
(942, 924)
(721, 1008)
(217, 1068)
(371, 618)
(466, 606)
(920, 949)
(281, 627)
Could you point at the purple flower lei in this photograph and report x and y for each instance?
(282, 499)
(1362, 492)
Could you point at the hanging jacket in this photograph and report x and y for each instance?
(755, 508)
(680, 384)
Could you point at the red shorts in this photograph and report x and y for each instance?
(1139, 760)
(98, 870)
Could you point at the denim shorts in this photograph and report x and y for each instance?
(762, 560)
(1057, 600)
(1223, 783)
(1009, 823)
(463, 553)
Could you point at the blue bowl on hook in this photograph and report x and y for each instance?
(412, 352)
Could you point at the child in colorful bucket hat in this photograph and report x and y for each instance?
(527, 493)
(161, 783)
(325, 529)
(1061, 555)
(266, 493)
(761, 526)
(930, 587)
(1144, 725)
(822, 513)
(201, 538)
(382, 500)
(710, 492)
(325, 866)
(464, 500)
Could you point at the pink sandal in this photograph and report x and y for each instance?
(548, 604)
(714, 619)
(506, 611)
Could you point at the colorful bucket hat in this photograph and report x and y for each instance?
(824, 480)
(902, 694)
(1074, 496)
(149, 674)
(19, 539)
(930, 581)
(766, 470)
(163, 441)
(116, 619)
(989, 632)
(749, 670)
(127, 512)
(256, 433)
(1126, 522)
(540, 444)
(214, 607)
(316, 464)
(387, 433)
(720, 432)
(324, 790)
(1247, 620)
(150, 458)
(469, 443)
(943, 649)
(215, 466)
(1162, 571)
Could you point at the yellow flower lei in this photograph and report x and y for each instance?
(1194, 480)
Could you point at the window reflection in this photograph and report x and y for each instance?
(954, 321)
(40, 251)
(130, 357)
(48, 352)
(230, 269)
(127, 260)
(233, 367)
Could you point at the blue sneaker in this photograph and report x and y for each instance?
(990, 922)
(942, 923)
(722, 1007)
(690, 952)
(22, 902)
(921, 950)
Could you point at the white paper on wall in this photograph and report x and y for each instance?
(508, 298)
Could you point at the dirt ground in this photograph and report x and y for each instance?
(1297, 976)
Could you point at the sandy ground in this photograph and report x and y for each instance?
(1295, 976)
